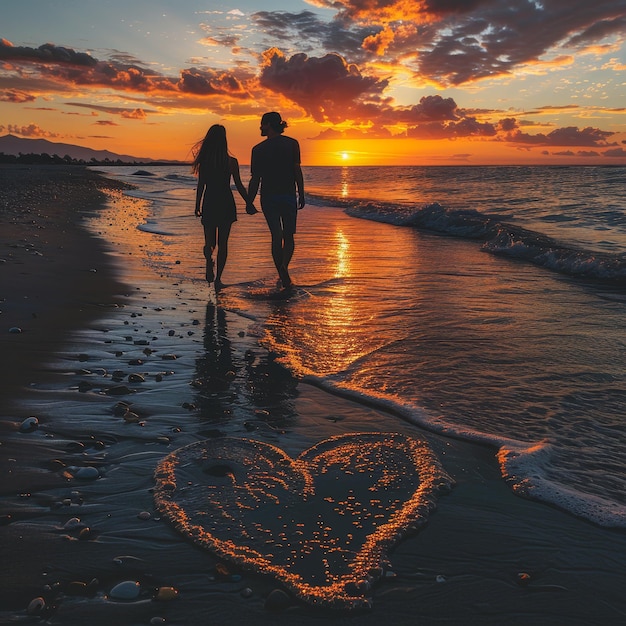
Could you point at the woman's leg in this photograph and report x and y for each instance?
(209, 246)
(223, 233)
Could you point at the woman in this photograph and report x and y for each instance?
(215, 203)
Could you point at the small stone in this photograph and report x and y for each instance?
(76, 588)
(246, 592)
(85, 473)
(440, 578)
(36, 606)
(277, 600)
(29, 425)
(144, 515)
(523, 579)
(15, 330)
(73, 524)
(127, 560)
(127, 590)
(165, 594)
(169, 357)
(92, 587)
(157, 621)
(131, 418)
(85, 534)
(118, 390)
(120, 408)
(136, 378)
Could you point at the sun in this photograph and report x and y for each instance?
(345, 156)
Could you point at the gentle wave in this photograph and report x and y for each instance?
(500, 238)
(521, 463)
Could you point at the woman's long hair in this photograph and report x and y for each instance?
(212, 151)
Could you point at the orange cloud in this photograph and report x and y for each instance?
(31, 130)
(17, 96)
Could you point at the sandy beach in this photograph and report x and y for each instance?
(114, 363)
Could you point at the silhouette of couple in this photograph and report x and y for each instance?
(275, 167)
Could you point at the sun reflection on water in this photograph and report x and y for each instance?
(345, 182)
(342, 252)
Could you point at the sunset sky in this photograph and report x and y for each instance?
(360, 82)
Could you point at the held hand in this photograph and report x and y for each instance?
(301, 201)
(251, 209)
(198, 213)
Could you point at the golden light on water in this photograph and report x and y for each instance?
(342, 254)
(345, 182)
(321, 524)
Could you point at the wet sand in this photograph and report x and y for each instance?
(189, 371)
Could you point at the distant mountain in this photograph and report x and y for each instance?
(10, 144)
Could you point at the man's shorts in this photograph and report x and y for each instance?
(281, 211)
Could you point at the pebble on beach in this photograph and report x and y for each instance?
(36, 606)
(85, 473)
(127, 590)
(277, 600)
(165, 594)
(29, 425)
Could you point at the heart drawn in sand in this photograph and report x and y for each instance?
(321, 523)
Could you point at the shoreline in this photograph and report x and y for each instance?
(56, 276)
(464, 567)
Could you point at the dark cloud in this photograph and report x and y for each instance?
(569, 136)
(467, 127)
(15, 95)
(228, 40)
(354, 133)
(126, 112)
(452, 42)
(211, 82)
(615, 152)
(305, 31)
(48, 53)
(599, 30)
(63, 66)
(327, 88)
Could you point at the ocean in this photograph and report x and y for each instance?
(485, 304)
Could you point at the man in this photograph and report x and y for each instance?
(275, 165)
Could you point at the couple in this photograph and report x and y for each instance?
(275, 166)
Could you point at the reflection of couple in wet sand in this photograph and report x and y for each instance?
(275, 167)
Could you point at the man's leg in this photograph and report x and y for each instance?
(288, 246)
